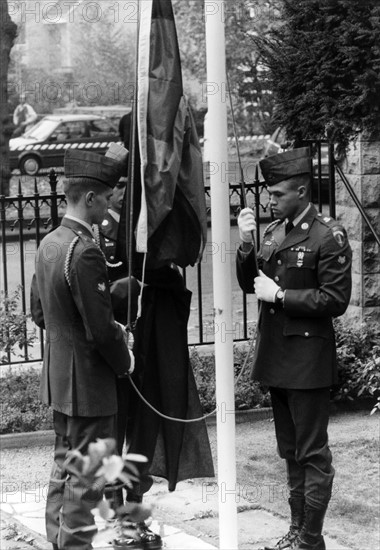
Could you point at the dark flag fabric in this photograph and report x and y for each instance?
(175, 450)
(169, 228)
(172, 223)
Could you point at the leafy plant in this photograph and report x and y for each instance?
(100, 466)
(21, 409)
(248, 394)
(323, 65)
(13, 332)
(358, 355)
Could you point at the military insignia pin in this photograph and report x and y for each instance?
(105, 222)
(305, 226)
(102, 287)
(300, 256)
(342, 260)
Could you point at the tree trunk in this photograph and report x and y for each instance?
(8, 32)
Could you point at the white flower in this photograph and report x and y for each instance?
(111, 468)
(134, 457)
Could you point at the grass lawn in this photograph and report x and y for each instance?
(353, 514)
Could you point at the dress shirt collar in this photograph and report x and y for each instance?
(114, 215)
(300, 216)
(77, 220)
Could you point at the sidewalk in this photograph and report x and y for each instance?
(187, 519)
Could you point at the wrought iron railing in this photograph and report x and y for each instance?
(26, 218)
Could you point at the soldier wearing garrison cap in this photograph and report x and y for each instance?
(302, 277)
(86, 349)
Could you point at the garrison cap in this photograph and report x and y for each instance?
(105, 169)
(283, 166)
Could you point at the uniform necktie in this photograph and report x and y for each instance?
(288, 227)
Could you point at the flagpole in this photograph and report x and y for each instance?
(215, 91)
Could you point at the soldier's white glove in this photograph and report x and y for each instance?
(247, 225)
(132, 364)
(128, 339)
(265, 288)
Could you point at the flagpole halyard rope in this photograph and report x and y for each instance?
(200, 418)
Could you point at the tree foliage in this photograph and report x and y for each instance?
(8, 31)
(252, 102)
(106, 58)
(324, 68)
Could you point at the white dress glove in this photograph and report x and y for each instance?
(132, 365)
(265, 288)
(128, 339)
(247, 225)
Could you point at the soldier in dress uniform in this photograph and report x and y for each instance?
(86, 350)
(302, 278)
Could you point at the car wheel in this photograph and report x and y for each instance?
(30, 165)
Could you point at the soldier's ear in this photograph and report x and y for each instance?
(89, 198)
(302, 191)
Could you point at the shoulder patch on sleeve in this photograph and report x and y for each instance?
(339, 234)
(338, 231)
(102, 286)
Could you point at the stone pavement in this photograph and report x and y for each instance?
(187, 519)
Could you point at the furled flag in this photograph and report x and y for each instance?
(171, 223)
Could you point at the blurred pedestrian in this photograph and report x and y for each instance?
(24, 116)
(86, 350)
(302, 279)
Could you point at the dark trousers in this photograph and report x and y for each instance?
(69, 501)
(127, 405)
(301, 420)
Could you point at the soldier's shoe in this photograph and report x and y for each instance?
(317, 544)
(149, 540)
(127, 544)
(286, 541)
(297, 509)
(310, 537)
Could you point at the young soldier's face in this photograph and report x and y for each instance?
(100, 205)
(287, 199)
(116, 200)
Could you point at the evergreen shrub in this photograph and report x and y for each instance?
(358, 352)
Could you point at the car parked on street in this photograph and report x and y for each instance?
(44, 145)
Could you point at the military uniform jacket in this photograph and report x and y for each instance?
(85, 348)
(295, 345)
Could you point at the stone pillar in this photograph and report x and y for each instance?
(362, 169)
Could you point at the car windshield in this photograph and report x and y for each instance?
(42, 129)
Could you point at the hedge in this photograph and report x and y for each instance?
(358, 351)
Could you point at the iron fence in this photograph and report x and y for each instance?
(26, 217)
(37, 208)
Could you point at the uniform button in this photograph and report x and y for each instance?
(271, 311)
(279, 262)
(307, 334)
(277, 278)
(112, 257)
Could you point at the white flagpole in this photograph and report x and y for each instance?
(215, 90)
